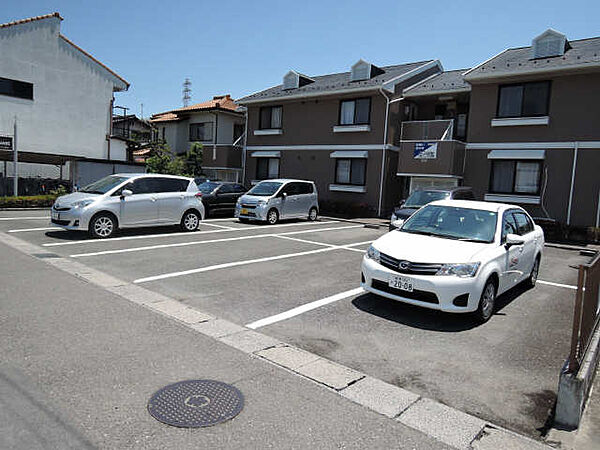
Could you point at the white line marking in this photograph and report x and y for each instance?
(183, 233)
(303, 308)
(26, 218)
(185, 244)
(21, 230)
(550, 283)
(218, 226)
(241, 263)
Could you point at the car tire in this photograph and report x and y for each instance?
(207, 211)
(102, 226)
(531, 280)
(313, 214)
(190, 221)
(272, 216)
(487, 302)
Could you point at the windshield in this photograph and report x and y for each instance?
(103, 185)
(265, 188)
(420, 198)
(207, 187)
(450, 222)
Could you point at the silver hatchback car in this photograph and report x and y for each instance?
(130, 200)
(272, 200)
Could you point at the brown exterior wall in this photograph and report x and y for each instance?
(318, 166)
(227, 156)
(574, 111)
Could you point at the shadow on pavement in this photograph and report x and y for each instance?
(428, 319)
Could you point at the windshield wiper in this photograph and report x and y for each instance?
(92, 192)
(424, 233)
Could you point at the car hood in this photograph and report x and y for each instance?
(253, 199)
(429, 249)
(69, 199)
(404, 213)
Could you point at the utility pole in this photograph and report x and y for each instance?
(15, 162)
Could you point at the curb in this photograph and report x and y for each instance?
(47, 208)
(444, 423)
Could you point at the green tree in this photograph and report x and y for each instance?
(163, 160)
(193, 160)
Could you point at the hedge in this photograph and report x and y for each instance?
(31, 201)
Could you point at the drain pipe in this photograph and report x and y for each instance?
(244, 150)
(572, 183)
(383, 152)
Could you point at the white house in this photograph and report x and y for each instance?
(61, 99)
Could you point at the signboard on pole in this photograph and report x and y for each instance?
(6, 143)
(425, 150)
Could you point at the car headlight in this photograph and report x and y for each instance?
(459, 270)
(261, 202)
(82, 203)
(373, 253)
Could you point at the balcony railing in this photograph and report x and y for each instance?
(427, 130)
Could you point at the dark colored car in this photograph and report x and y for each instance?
(220, 197)
(421, 197)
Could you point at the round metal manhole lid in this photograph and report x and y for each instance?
(196, 403)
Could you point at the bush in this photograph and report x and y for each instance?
(32, 201)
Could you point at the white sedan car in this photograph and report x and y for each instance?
(455, 256)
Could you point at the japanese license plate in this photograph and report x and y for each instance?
(243, 211)
(402, 283)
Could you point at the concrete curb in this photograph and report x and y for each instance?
(444, 423)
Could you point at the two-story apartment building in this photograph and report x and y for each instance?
(59, 100)
(534, 134)
(338, 129)
(217, 124)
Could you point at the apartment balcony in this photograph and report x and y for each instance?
(427, 148)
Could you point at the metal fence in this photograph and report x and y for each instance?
(587, 311)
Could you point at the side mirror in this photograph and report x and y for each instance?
(126, 193)
(513, 239)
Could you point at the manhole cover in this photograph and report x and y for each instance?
(196, 403)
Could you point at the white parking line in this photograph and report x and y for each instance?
(26, 218)
(550, 283)
(346, 247)
(183, 233)
(218, 226)
(185, 244)
(21, 230)
(242, 263)
(303, 308)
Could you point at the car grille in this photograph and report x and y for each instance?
(245, 205)
(422, 296)
(412, 268)
(62, 208)
(60, 222)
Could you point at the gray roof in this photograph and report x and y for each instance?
(334, 82)
(445, 82)
(517, 61)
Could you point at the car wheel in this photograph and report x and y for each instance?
(102, 226)
(207, 211)
(534, 273)
(190, 221)
(487, 302)
(313, 214)
(272, 217)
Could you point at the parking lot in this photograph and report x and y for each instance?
(298, 281)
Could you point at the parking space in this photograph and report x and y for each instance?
(297, 281)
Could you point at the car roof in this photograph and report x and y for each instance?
(449, 189)
(472, 204)
(287, 180)
(149, 175)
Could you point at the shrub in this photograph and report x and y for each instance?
(31, 201)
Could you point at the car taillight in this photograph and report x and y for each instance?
(198, 194)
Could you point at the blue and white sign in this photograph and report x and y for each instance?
(425, 150)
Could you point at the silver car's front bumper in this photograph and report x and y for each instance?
(72, 219)
(259, 212)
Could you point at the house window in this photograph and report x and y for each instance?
(350, 171)
(270, 117)
(515, 177)
(355, 112)
(15, 88)
(524, 100)
(201, 131)
(163, 133)
(267, 168)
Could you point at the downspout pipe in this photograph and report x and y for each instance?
(244, 149)
(383, 152)
(572, 183)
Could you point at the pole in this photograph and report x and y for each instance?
(15, 162)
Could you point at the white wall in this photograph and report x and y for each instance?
(70, 111)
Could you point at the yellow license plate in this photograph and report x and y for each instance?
(243, 211)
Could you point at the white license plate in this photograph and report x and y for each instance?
(244, 211)
(55, 215)
(403, 283)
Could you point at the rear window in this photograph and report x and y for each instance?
(170, 185)
(207, 187)
(420, 198)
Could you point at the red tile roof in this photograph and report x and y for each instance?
(30, 19)
(224, 102)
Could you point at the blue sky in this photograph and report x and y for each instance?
(240, 47)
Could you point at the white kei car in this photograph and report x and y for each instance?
(455, 256)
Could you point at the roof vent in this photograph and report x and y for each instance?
(294, 80)
(549, 43)
(362, 70)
